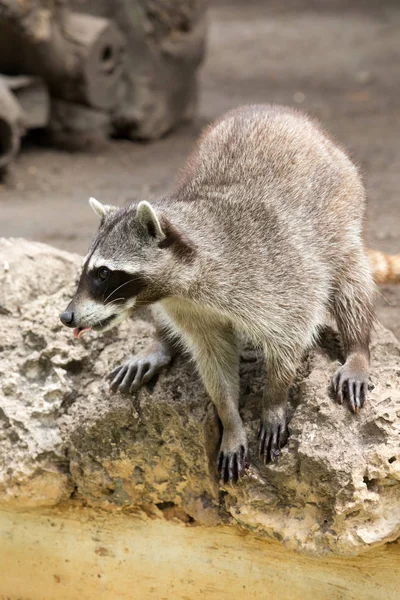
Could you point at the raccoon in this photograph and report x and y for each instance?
(261, 236)
(385, 267)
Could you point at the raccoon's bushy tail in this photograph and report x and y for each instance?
(385, 267)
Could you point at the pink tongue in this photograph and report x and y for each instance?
(79, 332)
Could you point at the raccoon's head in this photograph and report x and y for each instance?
(131, 262)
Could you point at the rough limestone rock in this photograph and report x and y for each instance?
(65, 438)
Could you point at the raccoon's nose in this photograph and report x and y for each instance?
(67, 318)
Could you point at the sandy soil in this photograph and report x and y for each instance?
(338, 63)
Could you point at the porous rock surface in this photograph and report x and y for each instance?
(64, 438)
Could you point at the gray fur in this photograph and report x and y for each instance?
(262, 236)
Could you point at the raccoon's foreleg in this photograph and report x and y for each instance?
(215, 351)
(139, 369)
(273, 429)
(354, 313)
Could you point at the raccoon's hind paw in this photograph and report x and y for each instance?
(352, 384)
(129, 376)
(272, 434)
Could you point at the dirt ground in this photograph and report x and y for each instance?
(339, 62)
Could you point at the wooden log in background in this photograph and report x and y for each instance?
(10, 125)
(79, 56)
(24, 104)
(165, 44)
(134, 60)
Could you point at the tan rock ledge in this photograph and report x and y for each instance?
(65, 438)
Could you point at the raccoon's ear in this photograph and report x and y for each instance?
(165, 233)
(100, 209)
(149, 219)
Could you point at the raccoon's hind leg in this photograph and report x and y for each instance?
(273, 429)
(353, 310)
(140, 369)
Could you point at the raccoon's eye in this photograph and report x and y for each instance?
(103, 273)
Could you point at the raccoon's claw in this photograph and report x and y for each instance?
(272, 436)
(352, 385)
(132, 374)
(231, 465)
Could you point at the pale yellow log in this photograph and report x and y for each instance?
(81, 555)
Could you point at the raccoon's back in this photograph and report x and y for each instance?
(274, 153)
(268, 179)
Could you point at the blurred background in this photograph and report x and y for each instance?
(337, 60)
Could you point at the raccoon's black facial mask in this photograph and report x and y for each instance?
(112, 287)
(104, 297)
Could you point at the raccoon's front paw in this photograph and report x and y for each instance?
(233, 456)
(351, 382)
(129, 376)
(272, 433)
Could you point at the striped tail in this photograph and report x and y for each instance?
(385, 267)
